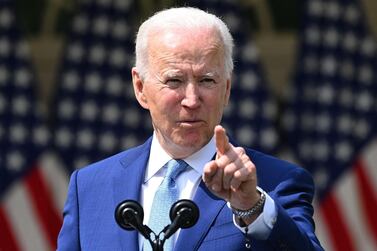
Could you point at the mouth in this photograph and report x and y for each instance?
(191, 123)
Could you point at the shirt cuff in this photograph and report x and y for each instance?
(262, 226)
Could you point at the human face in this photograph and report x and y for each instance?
(185, 89)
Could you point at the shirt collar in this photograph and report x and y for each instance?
(159, 157)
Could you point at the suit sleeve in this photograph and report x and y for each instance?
(68, 239)
(294, 227)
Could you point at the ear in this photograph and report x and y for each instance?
(138, 85)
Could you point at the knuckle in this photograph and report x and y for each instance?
(250, 167)
(230, 169)
(237, 174)
(220, 162)
(227, 172)
(239, 150)
(224, 160)
(245, 158)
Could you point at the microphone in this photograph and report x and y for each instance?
(129, 215)
(183, 214)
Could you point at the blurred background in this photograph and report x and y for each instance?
(304, 89)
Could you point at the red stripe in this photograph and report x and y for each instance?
(7, 238)
(43, 205)
(337, 228)
(368, 198)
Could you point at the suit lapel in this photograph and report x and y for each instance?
(127, 179)
(209, 206)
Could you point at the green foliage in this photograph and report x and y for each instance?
(285, 14)
(29, 14)
(64, 20)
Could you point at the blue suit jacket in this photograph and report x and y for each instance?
(95, 191)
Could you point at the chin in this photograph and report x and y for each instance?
(193, 140)
(183, 146)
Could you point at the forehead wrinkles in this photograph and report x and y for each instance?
(200, 61)
(186, 44)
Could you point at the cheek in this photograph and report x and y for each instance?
(163, 104)
(167, 100)
(213, 109)
(216, 100)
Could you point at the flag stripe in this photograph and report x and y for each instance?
(56, 177)
(337, 227)
(26, 227)
(7, 238)
(368, 198)
(348, 197)
(321, 227)
(43, 205)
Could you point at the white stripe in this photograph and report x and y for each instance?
(349, 202)
(369, 157)
(56, 178)
(321, 228)
(19, 211)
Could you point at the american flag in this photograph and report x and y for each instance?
(331, 121)
(97, 114)
(29, 209)
(251, 115)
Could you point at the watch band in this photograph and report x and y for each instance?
(257, 208)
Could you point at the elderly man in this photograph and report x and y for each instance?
(183, 77)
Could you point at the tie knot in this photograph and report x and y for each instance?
(175, 168)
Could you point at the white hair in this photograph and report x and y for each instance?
(183, 17)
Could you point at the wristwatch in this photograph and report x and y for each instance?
(256, 209)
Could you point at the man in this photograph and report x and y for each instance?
(183, 77)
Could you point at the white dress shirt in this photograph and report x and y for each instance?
(187, 184)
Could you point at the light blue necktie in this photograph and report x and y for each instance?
(164, 198)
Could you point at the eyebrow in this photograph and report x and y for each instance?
(179, 73)
(172, 73)
(209, 74)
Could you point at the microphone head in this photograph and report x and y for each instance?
(186, 211)
(128, 213)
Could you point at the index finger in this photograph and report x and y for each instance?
(222, 141)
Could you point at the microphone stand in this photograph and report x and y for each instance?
(129, 216)
(157, 243)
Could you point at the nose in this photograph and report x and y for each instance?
(191, 97)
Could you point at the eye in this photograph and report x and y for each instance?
(207, 82)
(173, 82)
